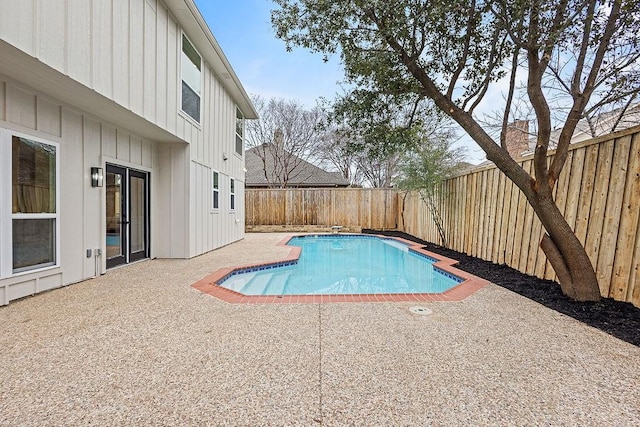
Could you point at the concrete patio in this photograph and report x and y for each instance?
(140, 346)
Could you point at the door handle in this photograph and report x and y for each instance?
(123, 222)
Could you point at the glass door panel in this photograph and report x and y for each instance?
(138, 214)
(116, 209)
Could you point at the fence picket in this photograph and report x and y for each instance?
(487, 216)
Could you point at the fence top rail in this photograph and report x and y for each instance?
(322, 189)
(576, 146)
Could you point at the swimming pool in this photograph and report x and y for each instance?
(345, 264)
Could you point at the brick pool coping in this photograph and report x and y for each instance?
(470, 284)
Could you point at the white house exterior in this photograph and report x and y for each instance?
(137, 93)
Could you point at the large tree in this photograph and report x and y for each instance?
(456, 52)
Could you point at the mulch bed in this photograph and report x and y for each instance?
(620, 319)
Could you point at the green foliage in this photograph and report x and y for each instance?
(383, 132)
(575, 55)
(434, 35)
(454, 50)
(433, 162)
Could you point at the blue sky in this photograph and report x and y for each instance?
(243, 30)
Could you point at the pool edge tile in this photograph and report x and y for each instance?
(468, 285)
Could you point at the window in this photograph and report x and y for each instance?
(191, 80)
(233, 194)
(239, 132)
(34, 196)
(215, 199)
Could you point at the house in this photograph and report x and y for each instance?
(271, 166)
(121, 139)
(520, 142)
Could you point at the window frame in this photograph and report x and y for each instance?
(232, 195)
(215, 191)
(239, 118)
(7, 216)
(182, 53)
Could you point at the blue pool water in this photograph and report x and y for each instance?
(345, 265)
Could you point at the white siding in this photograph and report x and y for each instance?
(2, 97)
(136, 57)
(75, 185)
(18, 26)
(211, 143)
(127, 51)
(93, 206)
(101, 48)
(150, 65)
(21, 107)
(78, 46)
(85, 141)
(50, 26)
(171, 202)
(121, 27)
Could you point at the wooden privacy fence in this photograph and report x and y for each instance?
(486, 216)
(348, 207)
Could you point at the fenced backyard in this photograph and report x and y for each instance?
(486, 216)
(352, 208)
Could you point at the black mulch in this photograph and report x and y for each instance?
(620, 319)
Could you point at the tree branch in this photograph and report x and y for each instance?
(462, 62)
(494, 152)
(580, 102)
(509, 101)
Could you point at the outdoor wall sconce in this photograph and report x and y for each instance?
(224, 156)
(97, 177)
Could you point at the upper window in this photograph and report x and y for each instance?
(34, 176)
(239, 132)
(215, 200)
(233, 194)
(191, 80)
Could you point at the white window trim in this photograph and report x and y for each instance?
(244, 130)
(6, 214)
(180, 110)
(213, 190)
(232, 194)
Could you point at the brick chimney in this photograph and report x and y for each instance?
(278, 139)
(517, 138)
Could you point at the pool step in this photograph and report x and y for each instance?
(277, 284)
(255, 285)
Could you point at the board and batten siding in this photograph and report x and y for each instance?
(126, 50)
(129, 51)
(213, 149)
(84, 141)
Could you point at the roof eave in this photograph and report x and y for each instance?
(199, 33)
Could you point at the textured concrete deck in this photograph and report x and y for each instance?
(140, 346)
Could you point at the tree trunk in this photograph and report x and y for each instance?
(564, 251)
(435, 214)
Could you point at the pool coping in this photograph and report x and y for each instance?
(469, 285)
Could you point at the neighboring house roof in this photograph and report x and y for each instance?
(603, 124)
(304, 175)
